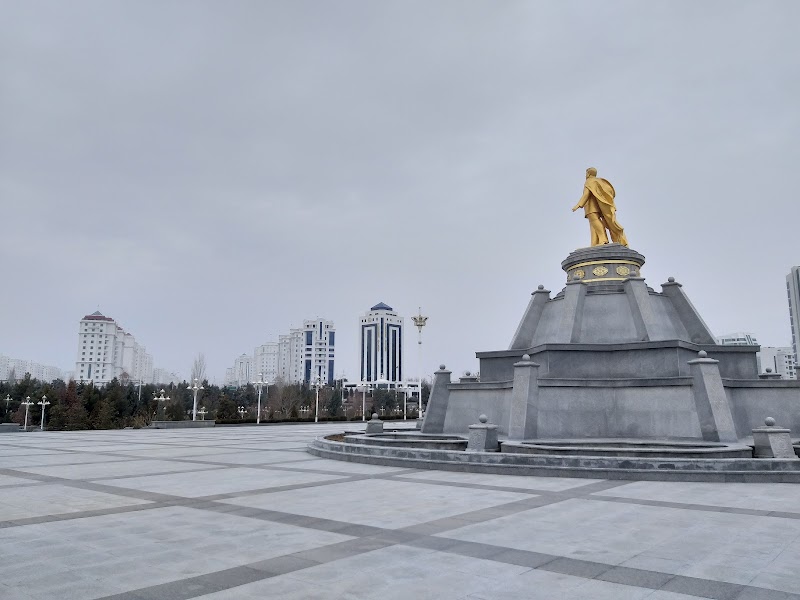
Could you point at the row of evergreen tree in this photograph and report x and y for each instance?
(82, 405)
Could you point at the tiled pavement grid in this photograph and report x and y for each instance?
(245, 512)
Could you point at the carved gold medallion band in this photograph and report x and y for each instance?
(605, 263)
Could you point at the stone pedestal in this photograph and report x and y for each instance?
(482, 436)
(713, 408)
(374, 425)
(769, 375)
(438, 402)
(772, 442)
(524, 413)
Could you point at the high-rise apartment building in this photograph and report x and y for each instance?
(381, 346)
(305, 354)
(319, 344)
(290, 356)
(741, 338)
(241, 373)
(265, 361)
(793, 295)
(106, 351)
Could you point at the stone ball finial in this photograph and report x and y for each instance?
(483, 418)
(671, 279)
(526, 357)
(769, 370)
(769, 422)
(442, 367)
(540, 287)
(375, 416)
(467, 374)
(702, 354)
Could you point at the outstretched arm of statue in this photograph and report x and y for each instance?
(584, 199)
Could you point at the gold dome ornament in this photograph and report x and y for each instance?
(599, 271)
(579, 274)
(623, 271)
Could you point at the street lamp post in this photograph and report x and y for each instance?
(259, 385)
(27, 404)
(202, 412)
(8, 399)
(195, 388)
(43, 403)
(363, 400)
(163, 398)
(419, 322)
(316, 410)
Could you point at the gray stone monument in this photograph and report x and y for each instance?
(772, 442)
(610, 357)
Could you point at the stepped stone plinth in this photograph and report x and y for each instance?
(610, 357)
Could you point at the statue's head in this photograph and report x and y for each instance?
(591, 172)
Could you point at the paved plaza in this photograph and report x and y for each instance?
(246, 513)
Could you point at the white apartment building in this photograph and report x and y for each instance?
(793, 295)
(781, 360)
(305, 354)
(740, 338)
(265, 361)
(241, 373)
(381, 346)
(165, 377)
(106, 351)
(19, 367)
(290, 356)
(319, 344)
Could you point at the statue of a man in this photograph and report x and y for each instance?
(598, 205)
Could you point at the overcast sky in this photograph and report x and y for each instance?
(211, 173)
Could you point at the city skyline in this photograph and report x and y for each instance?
(210, 175)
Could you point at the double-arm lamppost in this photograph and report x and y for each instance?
(27, 404)
(259, 386)
(162, 398)
(419, 322)
(202, 412)
(43, 403)
(195, 388)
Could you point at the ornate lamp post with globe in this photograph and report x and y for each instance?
(419, 322)
(27, 404)
(195, 388)
(43, 403)
(259, 386)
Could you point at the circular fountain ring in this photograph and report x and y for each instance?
(411, 439)
(642, 448)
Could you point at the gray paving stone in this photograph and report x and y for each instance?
(578, 568)
(637, 577)
(704, 588)
(429, 534)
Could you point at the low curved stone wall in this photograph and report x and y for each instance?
(741, 470)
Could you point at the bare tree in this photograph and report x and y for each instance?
(199, 367)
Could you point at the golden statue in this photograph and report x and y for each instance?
(598, 204)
